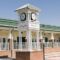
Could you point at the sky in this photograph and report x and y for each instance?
(50, 10)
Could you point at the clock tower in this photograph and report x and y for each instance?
(28, 28)
(28, 17)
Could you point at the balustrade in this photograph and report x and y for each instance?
(52, 44)
(4, 46)
(17, 45)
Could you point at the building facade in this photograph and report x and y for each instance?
(20, 36)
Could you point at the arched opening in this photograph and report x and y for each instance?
(46, 39)
(46, 42)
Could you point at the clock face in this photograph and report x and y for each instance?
(23, 17)
(33, 16)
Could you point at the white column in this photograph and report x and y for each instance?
(41, 36)
(52, 38)
(20, 40)
(37, 37)
(11, 40)
(29, 39)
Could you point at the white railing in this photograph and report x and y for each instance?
(52, 44)
(56, 44)
(4, 46)
(34, 45)
(20, 45)
(41, 45)
(48, 44)
(25, 45)
(15, 45)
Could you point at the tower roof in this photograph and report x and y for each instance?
(28, 6)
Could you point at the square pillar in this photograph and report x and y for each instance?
(52, 38)
(41, 40)
(20, 40)
(29, 39)
(10, 37)
(37, 38)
